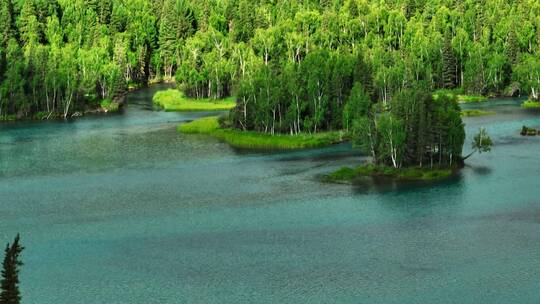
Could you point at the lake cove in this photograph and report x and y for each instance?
(125, 209)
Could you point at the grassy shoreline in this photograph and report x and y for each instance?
(476, 113)
(471, 98)
(529, 104)
(173, 100)
(347, 174)
(260, 141)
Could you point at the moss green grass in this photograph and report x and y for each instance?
(529, 104)
(347, 174)
(476, 113)
(471, 98)
(260, 141)
(461, 97)
(109, 106)
(174, 100)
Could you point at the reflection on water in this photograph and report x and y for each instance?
(123, 209)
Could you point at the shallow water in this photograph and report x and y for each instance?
(122, 209)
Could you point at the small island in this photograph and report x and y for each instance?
(173, 100)
(349, 175)
(217, 128)
(527, 131)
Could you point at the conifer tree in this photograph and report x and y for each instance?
(9, 284)
(449, 64)
(7, 21)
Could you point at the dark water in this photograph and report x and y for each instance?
(122, 209)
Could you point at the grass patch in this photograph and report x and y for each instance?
(471, 98)
(8, 118)
(174, 100)
(476, 113)
(109, 106)
(461, 97)
(529, 104)
(260, 141)
(413, 173)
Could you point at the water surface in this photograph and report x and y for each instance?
(122, 209)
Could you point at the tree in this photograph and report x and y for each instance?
(7, 21)
(481, 143)
(527, 72)
(9, 284)
(358, 106)
(392, 139)
(449, 64)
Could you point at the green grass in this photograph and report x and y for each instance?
(476, 113)
(461, 97)
(471, 98)
(529, 104)
(8, 118)
(413, 173)
(174, 100)
(109, 106)
(260, 141)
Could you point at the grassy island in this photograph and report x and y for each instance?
(526, 131)
(256, 140)
(476, 113)
(529, 104)
(347, 174)
(174, 100)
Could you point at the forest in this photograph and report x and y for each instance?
(293, 66)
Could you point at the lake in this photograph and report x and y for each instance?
(123, 209)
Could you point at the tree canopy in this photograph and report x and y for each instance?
(292, 64)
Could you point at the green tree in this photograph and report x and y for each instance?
(9, 284)
(481, 143)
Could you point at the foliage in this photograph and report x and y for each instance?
(370, 170)
(527, 131)
(481, 143)
(529, 104)
(9, 284)
(175, 100)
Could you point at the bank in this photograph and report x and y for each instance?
(349, 175)
(261, 141)
(173, 100)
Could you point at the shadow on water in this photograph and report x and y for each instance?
(380, 184)
(481, 170)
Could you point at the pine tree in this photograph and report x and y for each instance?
(449, 64)
(7, 21)
(363, 74)
(28, 24)
(9, 284)
(243, 23)
(512, 46)
(167, 36)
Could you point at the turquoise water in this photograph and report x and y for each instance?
(122, 209)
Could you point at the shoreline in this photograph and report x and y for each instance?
(350, 175)
(251, 140)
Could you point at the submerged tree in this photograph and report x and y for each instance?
(9, 284)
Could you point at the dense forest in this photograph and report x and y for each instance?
(294, 66)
